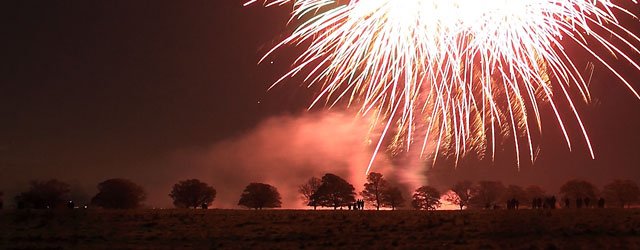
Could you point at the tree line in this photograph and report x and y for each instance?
(574, 193)
(332, 191)
(124, 194)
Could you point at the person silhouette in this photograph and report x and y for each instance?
(70, 205)
(601, 202)
(586, 202)
(567, 203)
(511, 204)
(578, 202)
(204, 206)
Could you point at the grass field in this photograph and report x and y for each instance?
(303, 229)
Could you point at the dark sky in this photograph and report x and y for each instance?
(92, 79)
(98, 89)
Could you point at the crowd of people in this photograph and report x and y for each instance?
(357, 205)
(551, 203)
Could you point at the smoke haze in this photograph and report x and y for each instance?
(283, 151)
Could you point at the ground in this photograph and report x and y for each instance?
(304, 229)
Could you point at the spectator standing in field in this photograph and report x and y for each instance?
(567, 203)
(537, 203)
(533, 203)
(512, 204)
(578, 202)
(586, 202)
(541, 203)
(601, 203)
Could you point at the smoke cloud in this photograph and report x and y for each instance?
(285, 152)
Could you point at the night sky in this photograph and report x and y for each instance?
(93, 90)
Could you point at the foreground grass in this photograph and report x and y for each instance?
(298, 229)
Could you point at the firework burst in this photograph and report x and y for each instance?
(459, 73)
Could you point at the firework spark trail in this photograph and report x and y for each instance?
(469, 70)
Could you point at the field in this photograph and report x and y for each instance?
(303, 229)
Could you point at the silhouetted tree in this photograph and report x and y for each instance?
(308, 189)
(334, 192)
(533, 192)
(374, 189)
(579, 189)
(515, 192)
(119, 194)
(392, 197)
(426, 198)
(461, 193)
(259, 196)
(192, 193)
(622, 192)
(79, 195)
(487, 194)
(44, 194)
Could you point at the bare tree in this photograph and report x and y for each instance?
(308, 189)
(487, 194)
(44, 194)
(426, 198)
(192, 193)
(392, 197)
(119, 194)
(581, 189)
(461, 193)
(334, 192)
(259, 196)
(622, 192)
(374, 189)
